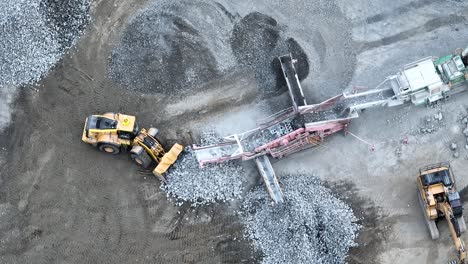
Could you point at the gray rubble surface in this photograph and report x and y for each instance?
(187, 182)
(34, 35)
(311, 226)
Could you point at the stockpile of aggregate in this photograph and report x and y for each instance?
(311, 226)
(187, 182)
(35, 34)
(172, 47)
(176, 47)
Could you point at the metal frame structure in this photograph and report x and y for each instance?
(300, 126)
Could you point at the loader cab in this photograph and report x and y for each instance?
(100, 123)
(120, 129)
(97, 124)
(127, 129)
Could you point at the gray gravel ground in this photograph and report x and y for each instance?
(312, 226)
(187, 182)
(35, 34)
(28, 47)
(7, 96)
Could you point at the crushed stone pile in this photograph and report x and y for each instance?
(186, 44)
(311, 226)
(34, 35)
(182, 45)
(67, 18)
(187, 182)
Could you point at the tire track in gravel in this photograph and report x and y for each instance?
(431, 25)
(410, 7)
(36, 178)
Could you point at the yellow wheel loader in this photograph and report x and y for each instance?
(114, 132)
(439, 199)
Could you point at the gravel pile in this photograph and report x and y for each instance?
(187, 182)
(67, 18)
(35, 34)
(311, 226)
(257, 40)
(175, 48)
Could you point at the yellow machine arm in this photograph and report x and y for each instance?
(454, 230)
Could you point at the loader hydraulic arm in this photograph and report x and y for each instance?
(454, 230)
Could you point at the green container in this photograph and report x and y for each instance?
(443, 60)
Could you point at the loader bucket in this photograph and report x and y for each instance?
(167, 160)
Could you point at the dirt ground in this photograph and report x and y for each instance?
(64, 202)
(76, 206)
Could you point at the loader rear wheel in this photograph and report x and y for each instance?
(143, 160)
(109, 148)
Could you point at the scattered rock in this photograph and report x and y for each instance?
(453, 146)
(456, 154)
(438, 116)
(465, 131)
(398, 152)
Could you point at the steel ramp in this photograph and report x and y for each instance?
(269, 177)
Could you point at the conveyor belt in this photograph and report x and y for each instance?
(269, 177)
(292, 80)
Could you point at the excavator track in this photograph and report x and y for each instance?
(431, 225)
(461, 224)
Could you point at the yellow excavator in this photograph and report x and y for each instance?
(114, 132)
(439, 199)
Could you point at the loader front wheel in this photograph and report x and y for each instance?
(141, 158)
(109, 148)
